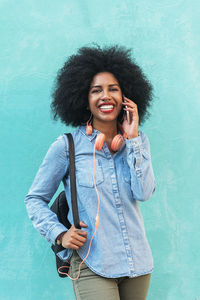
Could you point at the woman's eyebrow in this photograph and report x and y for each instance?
(99, 86)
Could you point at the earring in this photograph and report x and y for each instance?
(89, 126)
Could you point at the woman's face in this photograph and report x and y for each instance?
(105, 97)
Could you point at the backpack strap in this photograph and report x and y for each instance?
(73, 181)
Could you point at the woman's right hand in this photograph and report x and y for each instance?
(74, 238)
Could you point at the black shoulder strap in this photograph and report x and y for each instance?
(73, 181)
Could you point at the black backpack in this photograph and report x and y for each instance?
(60, 206)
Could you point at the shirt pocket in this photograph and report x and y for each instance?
(126, 171)
(84, 173)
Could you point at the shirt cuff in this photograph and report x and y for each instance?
(55, 232)
(134, 147)
(134, 143)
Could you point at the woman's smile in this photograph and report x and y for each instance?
(106, 108)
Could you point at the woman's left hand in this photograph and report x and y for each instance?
(132, 128)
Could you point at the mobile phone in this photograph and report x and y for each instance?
(128, 117)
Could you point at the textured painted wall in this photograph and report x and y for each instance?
(36, 38)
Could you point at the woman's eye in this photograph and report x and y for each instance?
(96, 91)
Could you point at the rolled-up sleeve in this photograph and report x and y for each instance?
(141, 170)
(51, 172)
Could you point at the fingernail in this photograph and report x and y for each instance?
(83, 222)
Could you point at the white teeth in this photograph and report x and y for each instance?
(106, 107)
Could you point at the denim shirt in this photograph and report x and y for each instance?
(120, 247)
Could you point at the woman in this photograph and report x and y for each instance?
(96, 90)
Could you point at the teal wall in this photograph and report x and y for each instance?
(36, 37)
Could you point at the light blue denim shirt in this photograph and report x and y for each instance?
(120, 247)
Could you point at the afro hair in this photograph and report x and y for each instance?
(70, 93)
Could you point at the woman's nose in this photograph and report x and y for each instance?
(106, 95)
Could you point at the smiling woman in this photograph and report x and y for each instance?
(114, 173)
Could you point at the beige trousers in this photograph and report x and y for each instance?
(91, 286)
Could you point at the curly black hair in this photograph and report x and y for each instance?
(70, 93)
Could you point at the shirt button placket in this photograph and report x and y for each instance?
(121, 215)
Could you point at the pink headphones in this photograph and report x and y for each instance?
(117, 141)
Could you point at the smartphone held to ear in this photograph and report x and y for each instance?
(128, 117)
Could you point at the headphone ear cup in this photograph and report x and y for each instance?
(99, 141)
(117, 142)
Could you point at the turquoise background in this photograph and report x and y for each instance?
(36, 38)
